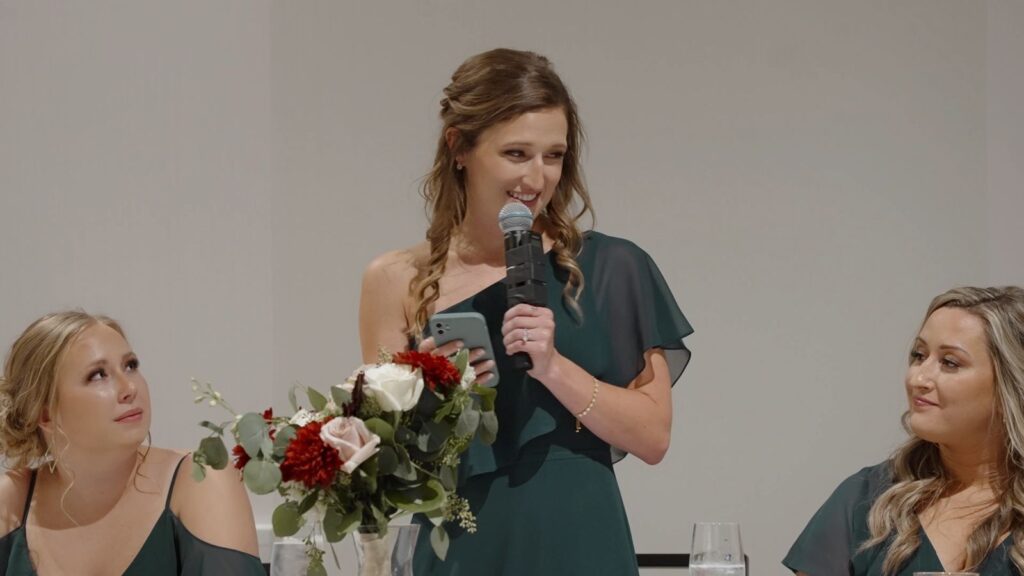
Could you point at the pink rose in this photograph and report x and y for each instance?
(352, 439)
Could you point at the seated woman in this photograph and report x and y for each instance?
(952, 497)
(84, 494)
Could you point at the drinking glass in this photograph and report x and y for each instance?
(716, 550)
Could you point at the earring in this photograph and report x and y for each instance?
(458, 166)
(52, 463)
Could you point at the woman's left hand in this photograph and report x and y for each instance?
(531, 329)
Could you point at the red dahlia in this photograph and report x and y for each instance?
(308, 460)
(439, 374)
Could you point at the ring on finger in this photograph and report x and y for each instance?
(526, 335)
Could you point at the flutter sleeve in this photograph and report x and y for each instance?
(638, 309)
(827, 545)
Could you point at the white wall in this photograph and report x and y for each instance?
(135, 180)
(1005, 92)
(807, 175)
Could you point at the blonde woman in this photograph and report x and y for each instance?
(605, 351)
(952, 497)
(84, 494)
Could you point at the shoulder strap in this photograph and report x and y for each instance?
(28, 500)
(174, 477)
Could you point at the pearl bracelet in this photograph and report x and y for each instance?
(593, 402)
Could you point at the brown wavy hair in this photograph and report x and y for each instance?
(919, 478)
(488, 89)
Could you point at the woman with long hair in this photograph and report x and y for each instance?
(605, 351)
(85, 492)
(952, 497)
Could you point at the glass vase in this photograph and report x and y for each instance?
(387, 554)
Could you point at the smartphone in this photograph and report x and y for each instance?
(470, 327)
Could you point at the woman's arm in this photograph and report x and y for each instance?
(216, 510)
(637, 419)
(382, 321)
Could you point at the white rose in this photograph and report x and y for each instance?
(396, 387)
(468, 377)
(301, 418)
(352, 439)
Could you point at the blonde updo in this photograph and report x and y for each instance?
(28, 384)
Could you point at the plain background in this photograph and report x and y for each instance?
(807, 174)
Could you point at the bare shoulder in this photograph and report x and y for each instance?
(383, 302)
(216, 509)
(395, 266)
(13, 492)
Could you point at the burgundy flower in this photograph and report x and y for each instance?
(308, 460)
(439, 374)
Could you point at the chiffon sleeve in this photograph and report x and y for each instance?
(830, 540)
(197, 557)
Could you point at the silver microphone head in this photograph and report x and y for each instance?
(515, 217)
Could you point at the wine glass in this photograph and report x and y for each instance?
(716, 550)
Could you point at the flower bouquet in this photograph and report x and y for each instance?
(385, 443)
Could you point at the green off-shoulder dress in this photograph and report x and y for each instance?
(545, 497)
(829, 544)
(169, 550)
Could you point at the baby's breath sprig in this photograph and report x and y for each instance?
(205, 392)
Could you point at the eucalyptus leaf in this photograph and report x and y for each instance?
(333, 528)
(488, 429)
(487, 396)
(307, 503)
(198, 471)
(449, 478)
(283, 437)
(404, 435)
(432, 435)
(439, 542)
(292, 401)
(387, 461)
(405, 470)
(316, 399)
(467, 423)
(461, 360)
(382, 429)
(352, 519)
(261, 476)
(213, 451)
(286, 519)
(422, 498)
(340, 395)
(252, 432)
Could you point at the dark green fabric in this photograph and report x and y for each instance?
(169, 550)
(546, 498)
(828, 545)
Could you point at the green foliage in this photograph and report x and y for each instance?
(286, 519)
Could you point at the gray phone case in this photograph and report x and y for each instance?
(470, 327)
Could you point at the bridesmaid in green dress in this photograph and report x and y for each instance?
(605, 351)
(84, 495)
(952, 497)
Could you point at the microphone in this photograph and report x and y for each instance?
(525, 265)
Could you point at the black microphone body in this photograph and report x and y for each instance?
(526, 270)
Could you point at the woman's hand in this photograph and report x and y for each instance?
(531, 329)
(484, 370)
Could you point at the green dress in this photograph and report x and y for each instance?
(828, 545)
(545, 497)
(169, 550)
